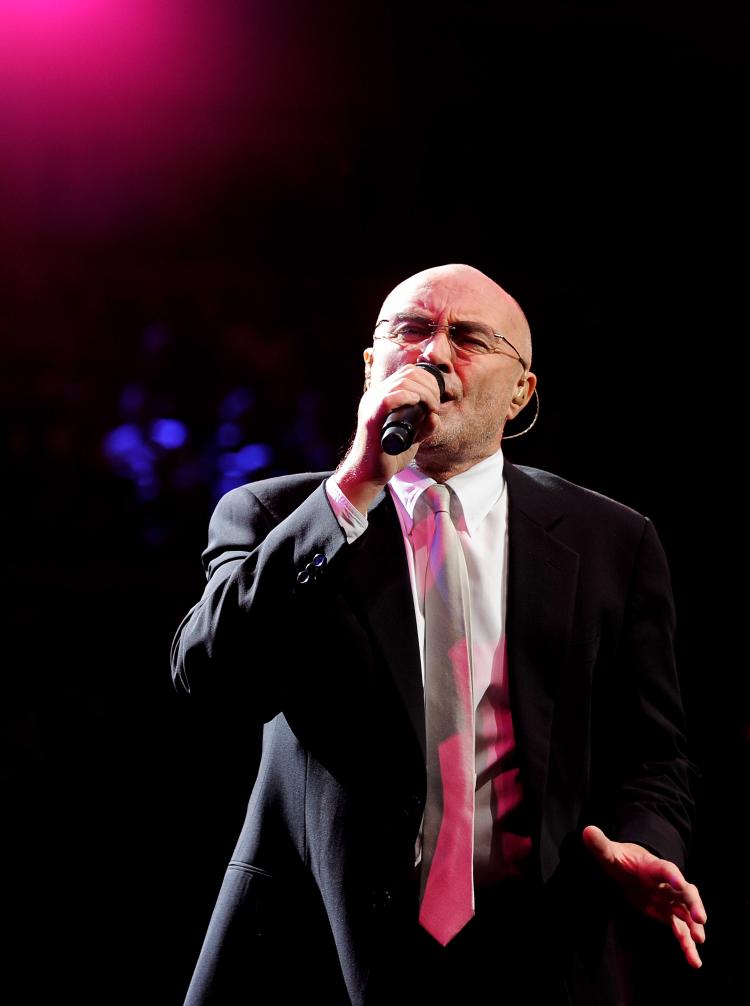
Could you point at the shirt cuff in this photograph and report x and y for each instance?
(353, 524)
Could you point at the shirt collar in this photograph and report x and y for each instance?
(478, 489)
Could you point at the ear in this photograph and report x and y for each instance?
(367, 356)
(522, 394)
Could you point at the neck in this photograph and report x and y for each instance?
(441, 471)
(441, 474)
(442, 468)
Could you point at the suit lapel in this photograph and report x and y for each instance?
(379, 578)
(542, 581)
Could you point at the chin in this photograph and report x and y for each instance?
(442, 444)
(439, 439)
(458, 446)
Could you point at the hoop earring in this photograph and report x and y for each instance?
(533, 421)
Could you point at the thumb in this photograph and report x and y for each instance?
(597, 843)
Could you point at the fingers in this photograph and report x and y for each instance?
(420, 380)
(687, 894)
(407, 394)
(694, 905)
(686, 940)
(697, 929)
(397, 390)
(424, 384)
(691, 900)
(428, 426)
(667, 873)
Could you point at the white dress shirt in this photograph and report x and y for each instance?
(480, 514)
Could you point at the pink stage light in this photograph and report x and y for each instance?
(111, 109)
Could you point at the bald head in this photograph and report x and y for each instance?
(460, 292)
(483, 389)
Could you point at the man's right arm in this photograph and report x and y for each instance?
(236, 641)
(244, 639)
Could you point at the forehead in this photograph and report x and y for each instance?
(447, 296)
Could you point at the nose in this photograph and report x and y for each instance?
(438, 349)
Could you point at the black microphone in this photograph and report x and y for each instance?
(401, 424)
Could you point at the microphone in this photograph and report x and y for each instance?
(400, 425)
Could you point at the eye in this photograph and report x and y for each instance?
(473, 339)
(411, 331)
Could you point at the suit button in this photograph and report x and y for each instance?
(303, 576)
(319, 560)
(381, 899)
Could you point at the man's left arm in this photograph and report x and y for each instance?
(653, 813)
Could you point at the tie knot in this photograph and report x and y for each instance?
(438, 498)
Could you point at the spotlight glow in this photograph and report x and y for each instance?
(109, 108)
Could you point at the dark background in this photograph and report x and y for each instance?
(202, 206)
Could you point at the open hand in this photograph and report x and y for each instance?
(653, 886)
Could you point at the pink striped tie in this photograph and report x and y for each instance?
(446, 883)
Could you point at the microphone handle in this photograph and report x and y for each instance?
(400, 425)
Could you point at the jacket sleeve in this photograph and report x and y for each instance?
(229, 643)
(653, 805)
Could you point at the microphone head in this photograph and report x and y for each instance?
(397, 438)
(437, 374)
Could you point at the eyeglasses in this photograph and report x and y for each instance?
(468, 338)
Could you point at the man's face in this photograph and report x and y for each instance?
(479, 388)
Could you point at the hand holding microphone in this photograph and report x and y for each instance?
(392, 413)
(401, 424)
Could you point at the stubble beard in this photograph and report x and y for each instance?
(458, 445)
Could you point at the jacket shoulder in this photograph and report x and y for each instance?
(277, 496)
(555, 492)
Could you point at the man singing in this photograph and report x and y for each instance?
(474, 765)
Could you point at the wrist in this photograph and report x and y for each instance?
(359, 490)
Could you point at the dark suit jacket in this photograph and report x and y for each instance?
(324, 653)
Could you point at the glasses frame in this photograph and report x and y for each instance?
(437, 326)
